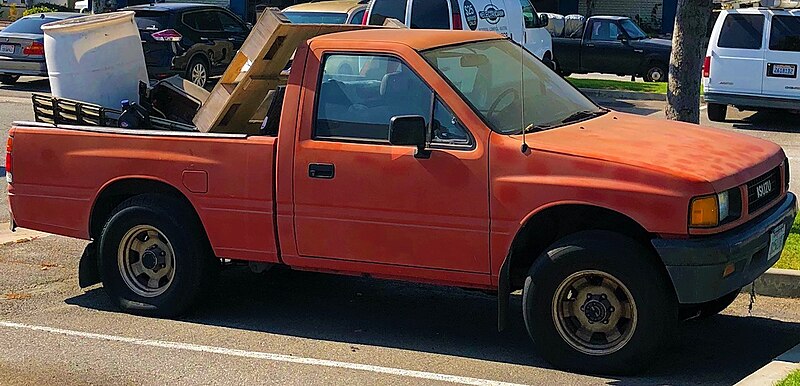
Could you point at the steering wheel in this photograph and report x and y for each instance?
(493, 107)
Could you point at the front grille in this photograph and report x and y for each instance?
(762, 190)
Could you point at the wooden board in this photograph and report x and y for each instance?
(255, 70)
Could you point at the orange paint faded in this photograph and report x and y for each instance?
(449, 219)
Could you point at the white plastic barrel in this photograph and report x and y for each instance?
(96, 58)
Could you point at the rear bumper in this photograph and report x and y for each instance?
(753, 101)
(696, 266)
(162, 72)
(18, 67)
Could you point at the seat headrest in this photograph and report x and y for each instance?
(394, 83)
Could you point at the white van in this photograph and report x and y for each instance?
(752, 61)
(516, 19)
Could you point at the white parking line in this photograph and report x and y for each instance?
(263, 356)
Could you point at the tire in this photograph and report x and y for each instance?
(164, 236)
(197, 71)
(9, 79)
(716, 306)
(656, 72)
(646, 309)
(717, 112)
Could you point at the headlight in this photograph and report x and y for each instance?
(715, 209)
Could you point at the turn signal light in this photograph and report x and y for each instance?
(35, 49)
(704, 212)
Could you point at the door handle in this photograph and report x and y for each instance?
(324, 171)
(589, 45)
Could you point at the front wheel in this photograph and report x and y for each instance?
(656, 73)
(198, 71)
(154, 259)
(596, 302)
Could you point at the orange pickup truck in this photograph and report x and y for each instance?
(444, 157)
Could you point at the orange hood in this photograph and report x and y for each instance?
(723, 158)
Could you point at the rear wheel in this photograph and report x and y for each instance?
(154, 257)
(9, 79)
(717, 112)
(197, 72)
(596, 302)
(656, 72)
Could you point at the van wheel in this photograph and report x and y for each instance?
(596, 302)
(9, 79)
(656, 73)
(154, 260)
(717, 112)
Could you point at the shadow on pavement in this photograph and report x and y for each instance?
(41, 85)
(769, 120)
(455, 322)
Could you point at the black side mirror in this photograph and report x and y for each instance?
(409, 130)
(544, 20)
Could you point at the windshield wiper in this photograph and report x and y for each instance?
(583, 114)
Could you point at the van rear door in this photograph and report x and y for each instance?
(737, 61)
(782, 57)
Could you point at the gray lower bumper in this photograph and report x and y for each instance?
(18, 67)
(696, 265)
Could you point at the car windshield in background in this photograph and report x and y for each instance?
(633, 30)
(151, 20)
(785, 35)
(316, 17)
(488, 75)
(29, 25)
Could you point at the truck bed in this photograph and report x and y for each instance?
(228, 178)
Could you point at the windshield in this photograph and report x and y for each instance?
(316, 17)
(29, 25)
(488, 75)
(633, 30)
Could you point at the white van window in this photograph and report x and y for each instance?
(430, 14)
(785, 34)
(528, 13)
(742, 31)
(383, 9)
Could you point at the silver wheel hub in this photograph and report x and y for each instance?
(594, 312)
(146, 261)
(199, 74)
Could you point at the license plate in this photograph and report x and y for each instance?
(7, 49)
(783, 70)
(776, 241)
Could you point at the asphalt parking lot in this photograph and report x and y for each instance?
(292, 327)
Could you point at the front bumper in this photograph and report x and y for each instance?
(696, 265)
(19, 67)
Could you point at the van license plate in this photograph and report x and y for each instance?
(776, 241)
(783, 70)
(7, 49)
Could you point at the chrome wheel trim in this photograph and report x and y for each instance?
(594, 312)
(199, 74)
(656, 74)
(146, 261)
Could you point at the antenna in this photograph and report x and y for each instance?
(524, 148)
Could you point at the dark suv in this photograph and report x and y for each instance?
(195, 41)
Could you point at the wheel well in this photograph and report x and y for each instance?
(117, 192)
(551, 224)
(198, 55)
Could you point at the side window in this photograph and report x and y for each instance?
(605, 31)
(359, 94)
(528, 13)
(190, 19)
(358, 17)
(446, 129)
(229, 23)
(203, 21)
(785, 34)
(382, 9)
(742, 31)
(430, 14)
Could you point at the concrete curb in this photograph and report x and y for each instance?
(779, 283)
(774, 371)
(20, 236)
(629, 95)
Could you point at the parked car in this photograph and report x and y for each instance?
(612, 45)
(752, 61)
(328, 12)
(196, 41)
(515, 19)
(415, 167)
(22, 46)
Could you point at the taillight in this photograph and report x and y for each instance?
(9, 163)
(35, 49)
(365, 18)
(167, 35)
(706, 67)
(456, 15)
